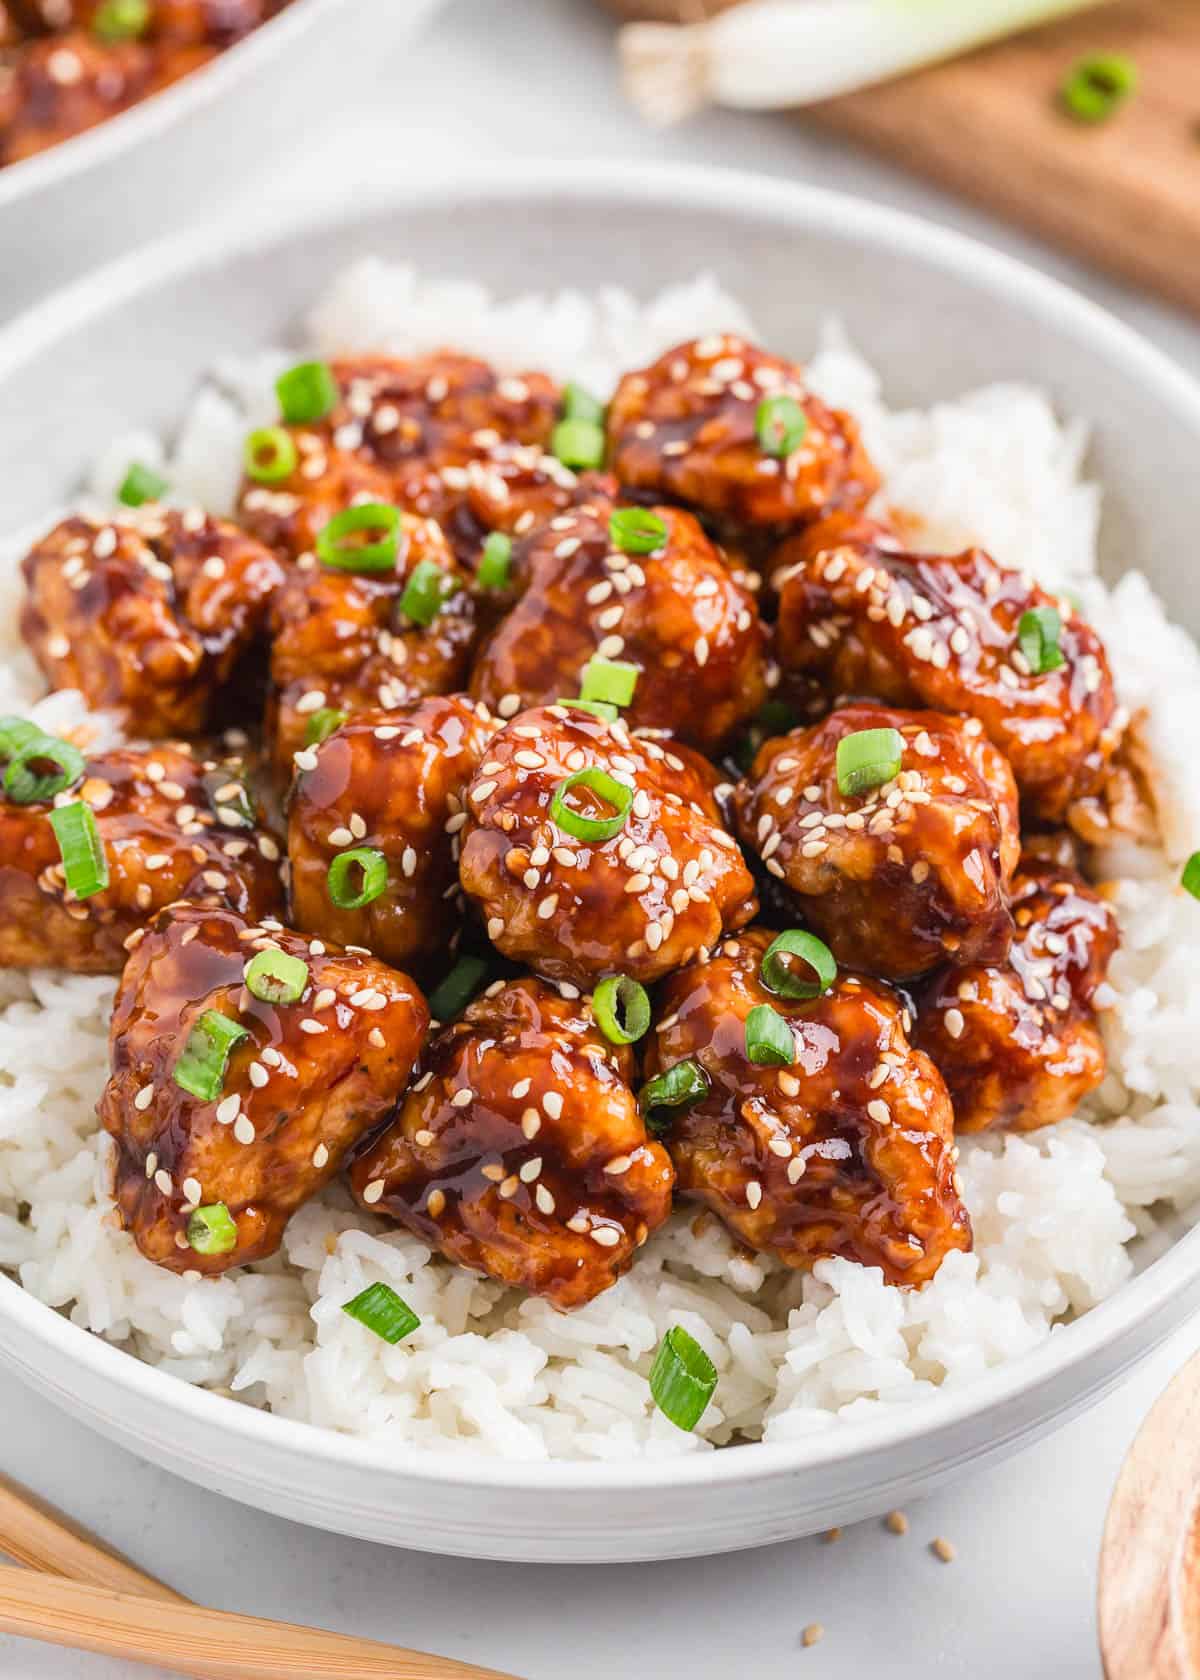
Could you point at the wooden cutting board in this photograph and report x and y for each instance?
(1124, 194)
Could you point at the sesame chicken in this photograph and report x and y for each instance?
(304, 1082)
(912, 872)
(520, 1152)
(945, 632)
(393, 782)
(690, 428)
(170, 826)
(675, 613)
(657, 882)
(344, 640)
(155, 614)
(1017, 1042)
(848, 1151)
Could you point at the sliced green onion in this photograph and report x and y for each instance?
(1190, 879)
(84, 862)
(205, 1056)
(781, 425)
(622, 1009)
(579, 444)
(321, 725)
(769, 1040)
(867, 759)
(373, 872)
(335, 550)
(15, 733)
(607, 789)
(598, 708)
(25, 784)
(457, 989)
(1096, 87)
(676, 1087)
(276, 977)
(425, 592)
(778, 977)
(306, 393)
(230, 798)
(121, 20)
(141, 484)
(580, 404)
(611, 680)
(269, 455)
(211, 1230)
(381, 1310)
(495, 562)
(637, 531)
(683, 1379)
(1038, 631)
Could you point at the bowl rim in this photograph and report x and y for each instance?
(629, 183)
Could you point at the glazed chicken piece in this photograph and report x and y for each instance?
(912, 872)
(657, 882)
(520, 1151)
(176, 22)
(848, 1152)
(393, 783)
(675, 613)
(345, 641)
(207, 1182)
(922, 630)
(691, 428)
(409, 433)
(58, 85)
(1017, 1044)
(169, 826)
(155, 614)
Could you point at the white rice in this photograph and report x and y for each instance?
(1062, 1217)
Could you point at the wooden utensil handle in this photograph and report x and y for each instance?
(208, 1644)
(48, 1542)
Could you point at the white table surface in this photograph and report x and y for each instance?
(522, 78)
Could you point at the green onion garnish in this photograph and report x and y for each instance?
(205, 1056)
(335, 550)
(636, 531)
(84, 862)
(141, 484)
(607, 789)
(457, 989)
(1038, 631)
(381, 1310)
(1096, 87)
(27, 779)
(425, 592)
(867, 759)
(779, 977)
(121, 20)
(372, 870)
(598, 708)
(579, 444)
(211, 1230)
(611, 680)
(269, 455)
(322, 724)
(580, 404)
(229, 797)
(676, 1087)
(781, 425)
(1190, 879)
(769, 1041)
(494, 562)
(683, 1379)
(622, 1009)
(306, 393)
(15, 733)
(276, 977)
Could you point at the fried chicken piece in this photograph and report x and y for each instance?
(520, 1151)
(847, 1152)
(307, 1081)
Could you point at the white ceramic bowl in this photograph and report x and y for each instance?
(937, 314)
(171, 158)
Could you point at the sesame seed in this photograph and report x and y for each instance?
(796, 1169)
(606, 1235)
(954, 1022)
(753, 1194)
(243, 1129)
(944, 1550)
(495, 927)
(812, 1634)
(227, 1111)
(531, 1123)
(436, 1203)
(162, 1179)
(308, 1025)
(531, 1170)
(544, 1200)
(462, 1098)
(547, 907)
(788, 1084)
(896, 1522)
(552, 1103)
(373, 1191)
(879, 1111)
(144, 1097)
(258, 1074)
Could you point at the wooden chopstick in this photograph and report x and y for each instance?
(45, 1540)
